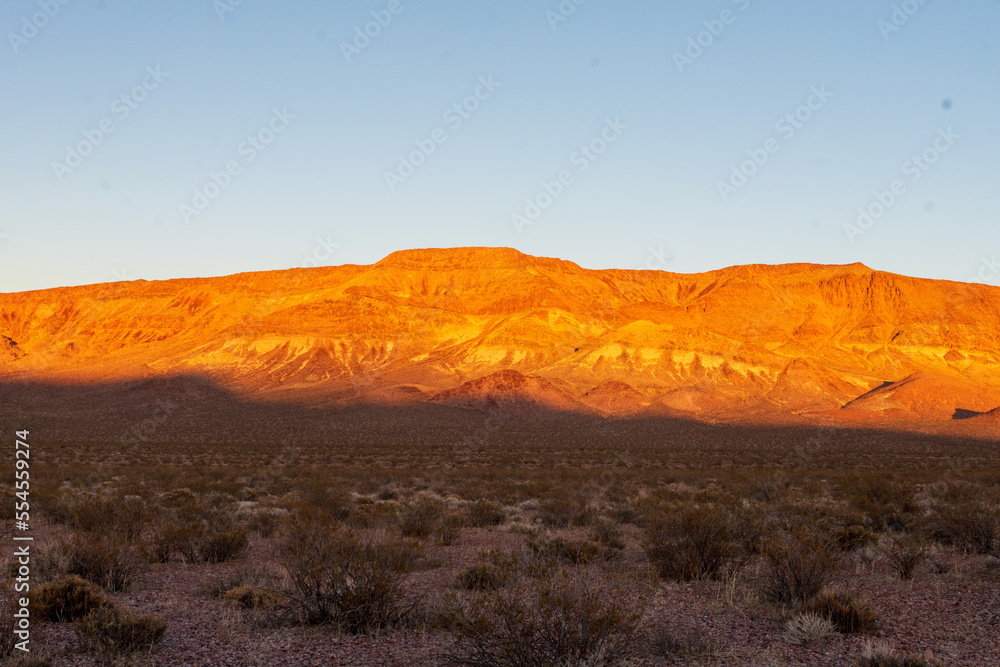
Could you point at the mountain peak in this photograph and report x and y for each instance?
(457, 258)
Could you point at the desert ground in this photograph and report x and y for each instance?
(551, 539)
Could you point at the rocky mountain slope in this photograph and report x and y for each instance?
(474, 327)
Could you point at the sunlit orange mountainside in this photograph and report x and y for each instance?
(474, 328)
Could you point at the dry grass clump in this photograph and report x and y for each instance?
(338, 578)
(805, 629)
(906, 552)
(877, 654)
(853, 537)
(494, 569)
(562, 620)
(799, 567)
(111, 633)
(849, 614)
(691, 541)
(67, 599)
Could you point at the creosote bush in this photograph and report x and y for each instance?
(691, 541)
(799, 567)
(109, 561)
(67, 599)
(339, 578)
(970, 525)
(486, 513)
(560, 620)
(111, 632)
(493, 570)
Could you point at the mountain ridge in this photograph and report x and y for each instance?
(732, 343)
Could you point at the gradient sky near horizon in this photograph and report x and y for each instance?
(318, 192)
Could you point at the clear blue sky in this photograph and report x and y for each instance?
(224, 73)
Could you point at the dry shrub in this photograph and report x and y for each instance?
(494, 569)
(799, 567)
(691, 542)
(253, 576)
(807, 629)
(568, 550)
(971, 525)
(330, 500)
(559, 621)
(373, 514)
(108, 514)
(421, 517)
(112, 632)
(264, 522)
(684, 645)
(563, 511)
(339, 578)
(67, 599)
(853, 537)
(108, 561)
(906, 553)
(215, 537)
(449, 529)
(253, 597)
(880, 655)
(486, 513)
(849, 614)
(609, 535)
(887, 504)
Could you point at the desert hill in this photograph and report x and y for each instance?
(473, 327)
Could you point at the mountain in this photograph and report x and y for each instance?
(477, 327)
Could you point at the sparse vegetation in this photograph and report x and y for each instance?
(67, 599)
(111, 632)
(848, 613)
(338, 578)
(561, 621)
(691, 541)
(799, 567)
